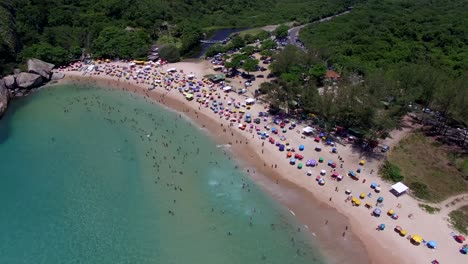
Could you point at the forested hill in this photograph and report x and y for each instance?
(388, 34)
(56, 30)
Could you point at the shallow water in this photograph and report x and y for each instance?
(97, 176)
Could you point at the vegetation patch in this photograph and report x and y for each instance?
(391, 172)
(428, 168)
(429, 209)
(459, 219)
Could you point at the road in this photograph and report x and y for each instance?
(294, 32)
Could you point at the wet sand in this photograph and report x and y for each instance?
(333, 230)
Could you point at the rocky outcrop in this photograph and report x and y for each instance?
(42, 68)
(26, 80)
(10, 82)
(4, 97)
(57, 76)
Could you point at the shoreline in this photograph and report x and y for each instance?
(286, 192)
(346, 233)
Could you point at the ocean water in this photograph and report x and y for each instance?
(91, 175)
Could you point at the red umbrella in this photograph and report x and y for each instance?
(460, 238)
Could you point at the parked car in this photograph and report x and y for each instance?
(260, 76)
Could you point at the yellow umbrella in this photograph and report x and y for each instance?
(417, 238)
(403, 232)
(362, 196)
(362, 162)
(391, 212)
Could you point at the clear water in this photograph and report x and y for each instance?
(97, 176)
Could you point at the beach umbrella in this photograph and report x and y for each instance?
(432, 244)
(299, 166)
(377, 189)
(382, 226)
(380, 199)
(377, 212)
(335, 174)
(460, 238)
(301, 147)
(403, 232)
(333, 165)
(309, 163)
(362, 195)
(357, 202)
(398, 229)
(417, 239)
(334, 150)
(362, 162)
(390, 212)
(289, 155)
(323, 172)
(309, 173)
(318, 178)
(348, 191)
(321, 181)
(318, 148)
(330, 162)
(317, 139)
(464, 250)
(339, 177)
(292, 161)
(373, 185)
(313, 163)
(320, 159)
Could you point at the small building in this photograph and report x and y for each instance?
(399, 188)
(332, 75)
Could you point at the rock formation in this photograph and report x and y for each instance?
(4, 97)
(42, 68)
(57, 76)
(26, 80)
(10, 82)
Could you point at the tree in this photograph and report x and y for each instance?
(281, 31)
(114, 42)
(169, 53)
(46, 52)
(268, 44)
(318, 71)
(214, 50)
(250, 65)
(248, 50)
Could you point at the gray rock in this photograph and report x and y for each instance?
(10, 82)
(16, 71)
(28, 80)
(4, 97)
(40, 67)
(57, 76)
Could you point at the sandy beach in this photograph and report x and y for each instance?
(346, 232)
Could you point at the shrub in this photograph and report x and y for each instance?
(391, 172)
(420, 190)
(169, 53)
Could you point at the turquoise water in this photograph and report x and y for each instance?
(98, 176)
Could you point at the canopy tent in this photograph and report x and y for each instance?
(307, 130)
(250, 100)
(399, 188)
(227, 88)
(171, 70)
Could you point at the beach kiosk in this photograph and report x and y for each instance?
(399, 188)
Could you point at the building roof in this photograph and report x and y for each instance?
(332, 74)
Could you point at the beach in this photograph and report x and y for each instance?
(346, 232)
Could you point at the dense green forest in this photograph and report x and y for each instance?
(57, 30)
(392, 56)
(391, 33)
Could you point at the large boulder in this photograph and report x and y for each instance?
(57, 76)
(27, 80)
(40, 67)
(4, 97)
(10, 82)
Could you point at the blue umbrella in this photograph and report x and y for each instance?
(464, 250)
(292, 160)
(301, 147)
(432, 244)
(373, 185)
(382, 226)
(377, 211)
(334, 150)
(380, 199)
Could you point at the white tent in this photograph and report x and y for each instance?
(190, 76)
(250, 101)
(227, 88)
(399, 188)
(307, 130)
(171, 70)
